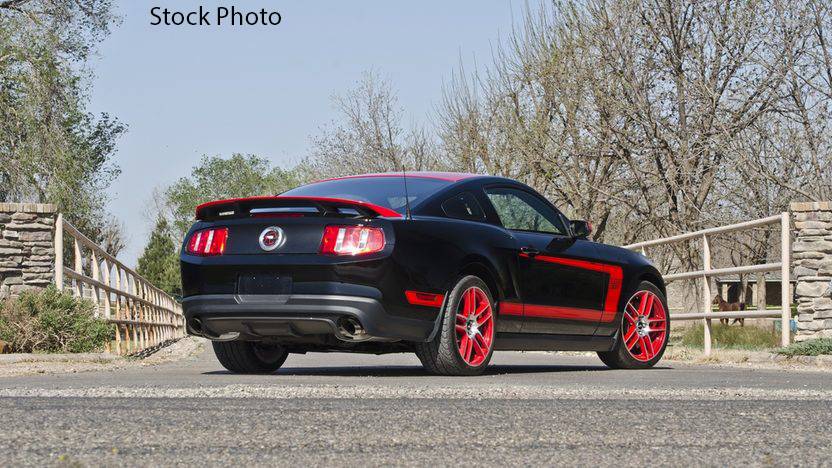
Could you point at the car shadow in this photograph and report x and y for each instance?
(414, 371)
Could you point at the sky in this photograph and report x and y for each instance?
(187, 91)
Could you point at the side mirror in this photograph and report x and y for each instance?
(580, 229)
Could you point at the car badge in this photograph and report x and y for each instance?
(272, 238)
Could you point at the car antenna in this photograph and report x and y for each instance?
(406, 195)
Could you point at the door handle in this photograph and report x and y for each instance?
(529, 250)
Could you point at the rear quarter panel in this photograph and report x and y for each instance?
(432, 253)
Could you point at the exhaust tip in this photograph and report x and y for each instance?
(195, 326)
(352, 329)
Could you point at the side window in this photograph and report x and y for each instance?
(463, 205)
(522, 211)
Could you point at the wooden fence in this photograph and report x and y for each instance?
(144, 315)
(707, 272)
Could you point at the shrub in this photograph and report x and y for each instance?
(49, 320)
(733, 337)
(808, 348)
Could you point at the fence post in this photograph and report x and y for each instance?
(785, 297)
(108, 311)
(59, 252)
(78, 268)
(94, 267)
(119, 298)
(706, 294)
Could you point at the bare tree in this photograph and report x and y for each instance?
(538, 116)
(369, 136)
(655, 118)
(650, 118)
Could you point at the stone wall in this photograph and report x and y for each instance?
(812, 267)
(27, 256)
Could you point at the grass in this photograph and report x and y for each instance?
(731, 337)
(808, 348)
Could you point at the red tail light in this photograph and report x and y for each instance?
(208, 242)
(352, 240)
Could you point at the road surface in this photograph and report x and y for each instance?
(339, 409)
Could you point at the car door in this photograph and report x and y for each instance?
(561, 288)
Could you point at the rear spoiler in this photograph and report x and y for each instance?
(240, 207)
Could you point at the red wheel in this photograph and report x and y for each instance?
(644, 330)
(474, 326)
(464, 344)
(644, 325)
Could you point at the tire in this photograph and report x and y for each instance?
(463, 345)
(632, 350)
(247, 357)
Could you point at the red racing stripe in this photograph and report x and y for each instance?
(551, 312)
(557, 312)
(511, 308)
(573, 313)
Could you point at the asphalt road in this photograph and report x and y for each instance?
(338, 409)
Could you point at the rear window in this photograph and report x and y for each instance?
(463, 205)
(382, 191)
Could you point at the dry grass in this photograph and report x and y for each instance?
(52, 321)
(729, 337)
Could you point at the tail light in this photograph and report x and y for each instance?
(352, 240)
(208, 242)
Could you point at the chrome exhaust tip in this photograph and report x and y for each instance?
(352, 329)
(195, 326)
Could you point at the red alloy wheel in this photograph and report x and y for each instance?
(644, 325)
(474, 326)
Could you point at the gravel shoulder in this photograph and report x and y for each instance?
(22, 364)
(750, 359)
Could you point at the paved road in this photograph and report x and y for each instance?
(341, 409)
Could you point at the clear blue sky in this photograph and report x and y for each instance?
(185, 91)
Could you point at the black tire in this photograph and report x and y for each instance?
(620, 357)
(247, 357)
(442, 355)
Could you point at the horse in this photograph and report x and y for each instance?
(725, 306)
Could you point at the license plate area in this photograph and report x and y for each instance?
(263, 283)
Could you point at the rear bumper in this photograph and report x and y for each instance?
(295, 316)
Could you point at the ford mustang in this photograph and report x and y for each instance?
(449, 266)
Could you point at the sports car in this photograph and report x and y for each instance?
(449, 266)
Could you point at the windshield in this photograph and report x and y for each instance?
(386, 191)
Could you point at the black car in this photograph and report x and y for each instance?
(449, 266)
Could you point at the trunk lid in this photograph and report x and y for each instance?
(287, 225)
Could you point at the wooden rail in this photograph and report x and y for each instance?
(143, 315)
(707, 272)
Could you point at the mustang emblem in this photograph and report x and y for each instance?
(272, 238)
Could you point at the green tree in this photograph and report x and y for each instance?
(159, 262)
(52, 149)
(217, 178)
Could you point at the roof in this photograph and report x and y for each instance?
(448, 176)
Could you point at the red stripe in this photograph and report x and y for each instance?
(557, 312)
(511, 308)
(573, 313)
(551, 312)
